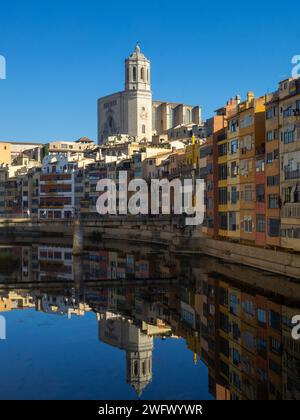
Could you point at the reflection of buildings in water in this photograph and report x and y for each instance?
(55, 263)
(248, 345)
(291, 357)
(242, 333)
(13, 300)
(61, 305)
(122, 333)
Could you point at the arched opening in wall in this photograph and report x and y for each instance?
(144, 368)
(142, 73)
(134, 74)
(143, 129)
(135, 369)
(188, 116)
(147, 75)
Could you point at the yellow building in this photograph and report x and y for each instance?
(5, 154)
(289, 123)
(233, 179)
(222, 187)
(251, 143)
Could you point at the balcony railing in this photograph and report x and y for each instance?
(289, 174)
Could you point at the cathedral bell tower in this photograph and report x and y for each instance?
(137, 71)
(139, 95)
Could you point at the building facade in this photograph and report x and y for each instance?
(133, 112)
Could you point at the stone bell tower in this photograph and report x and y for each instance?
(139, 95)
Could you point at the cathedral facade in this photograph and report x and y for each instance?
(133, 112)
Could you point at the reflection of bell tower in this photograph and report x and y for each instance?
(139, 369)
(122, 333)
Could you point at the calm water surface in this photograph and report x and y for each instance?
(142, 323)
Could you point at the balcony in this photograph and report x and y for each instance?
(291, 174)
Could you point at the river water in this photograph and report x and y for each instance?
(127, 322)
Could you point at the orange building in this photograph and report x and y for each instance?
(251, 139)
(272, 171)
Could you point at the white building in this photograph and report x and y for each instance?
(57, 187)
(132, 112)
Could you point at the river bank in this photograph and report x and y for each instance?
(164, 233)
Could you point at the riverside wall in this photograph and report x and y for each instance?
(164, 233)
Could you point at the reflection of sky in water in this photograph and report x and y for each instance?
(51, 357)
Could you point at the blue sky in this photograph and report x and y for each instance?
(62, 55)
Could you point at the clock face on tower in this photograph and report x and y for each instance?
(144, 114)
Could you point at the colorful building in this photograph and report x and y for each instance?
(289, 151)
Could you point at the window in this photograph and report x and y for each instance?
(142, 73)
(274, 366)
(273, 201)
(234, 146)
(249, 340)
(260, 193)
(233, 170)
(269, 135)
(273, 227)
(224, 369)
(236, 380)
(272, 112)
(223, 171)
(236, 358)
(247, 225)
(248, 307)
(224, 347)
(233, 299)
(262, 375)
(288, 137)
(234, 195)
(273, 180)
(134, 74)
(224, 323)
(223, 221)
(262, 317)
(288, 112)
(260, 223)
(275, 346)
(233, 126)
(269, 113)
(223, 297)
(269, 158)
(262, 347)
(260, 165)
(248, 193)
(223, 196)
(143, 129)
(236, 333)
(232, 221)
(222, 149)
(246, 121)
(274, 320)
